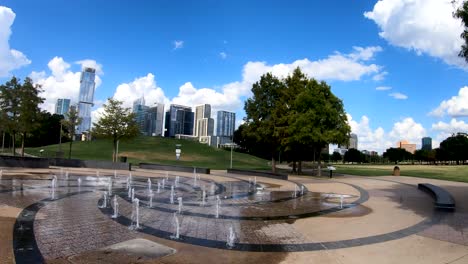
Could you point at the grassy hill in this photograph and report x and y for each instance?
(157, 150)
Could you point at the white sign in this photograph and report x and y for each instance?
(331, 168)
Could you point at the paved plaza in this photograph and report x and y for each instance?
(62, 215)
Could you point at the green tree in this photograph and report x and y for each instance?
(397, 154)
(263, 115)
(116, 123)
(462, 13)
(316, 118)
(353, 155)
(71, 121)
(336, 156)
(29, 112)
(456, 148)
(47, 133)
(9, 105)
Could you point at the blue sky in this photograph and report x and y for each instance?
(392, 62)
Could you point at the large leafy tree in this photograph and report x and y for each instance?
(263, 114)
(9, 106)
(29, 117)
(116, 123)
(19, 106)
(462, 13)
(353, 155)
(71, 121)
(455, 148)
(296, 115)
(397, 154)
(316, 117)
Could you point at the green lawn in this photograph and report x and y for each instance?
(442, 172)
(157, 150)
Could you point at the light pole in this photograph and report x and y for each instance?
(231, 155)
(60, 138)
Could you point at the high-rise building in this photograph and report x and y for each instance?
(154, 120)
(411, 148)
(426, 143)
(226, 122)
(86, 98)
(139, 108)
(203, 123)
(353, 141)
(62, 106)
(179, 120)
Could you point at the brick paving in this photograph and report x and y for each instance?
(74, 224)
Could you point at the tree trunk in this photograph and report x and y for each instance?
(319, 170)
(114, 153)
(294, 167)
(299, 167)
(14, 147)
(3, 142)
(70, 150)
(273, 164)
(22, 144)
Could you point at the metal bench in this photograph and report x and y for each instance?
(443, 199)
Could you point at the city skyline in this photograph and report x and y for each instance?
(397, 79)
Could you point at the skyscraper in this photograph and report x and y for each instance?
(86, 98)
(353, 141)
(154, 120)
(226, 122)
(62, 106)
(203, 123)
(426, 143)
(179, 120)
(139, 108)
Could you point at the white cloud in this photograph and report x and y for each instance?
(398, 96)
(409, 130)
(223, 55)
(368, 138)
(10, 59)
(61, 83)
(380, 76)
(379, 140)
(445, 130)
(343, 67)
(424, 26)
(457, 106)
(178, 44)
(142, 86)
(383, 88)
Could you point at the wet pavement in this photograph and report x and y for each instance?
(70, 221)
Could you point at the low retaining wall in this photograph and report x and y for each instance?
(23, 162)
(153, 166)
(97, 164)
(259, 173)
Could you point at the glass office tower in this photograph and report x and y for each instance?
(85, 100)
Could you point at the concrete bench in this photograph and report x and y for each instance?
(443, 199)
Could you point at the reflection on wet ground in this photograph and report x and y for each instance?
(253, 216)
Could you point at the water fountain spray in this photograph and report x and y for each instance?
(104, 200)
(116, 208)
(159, 188)
(151, 195)
(172, 194)
(203, 198)
(175, 220)
(179, 199)
(149, 185)
(218, 202)
(231, 238)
